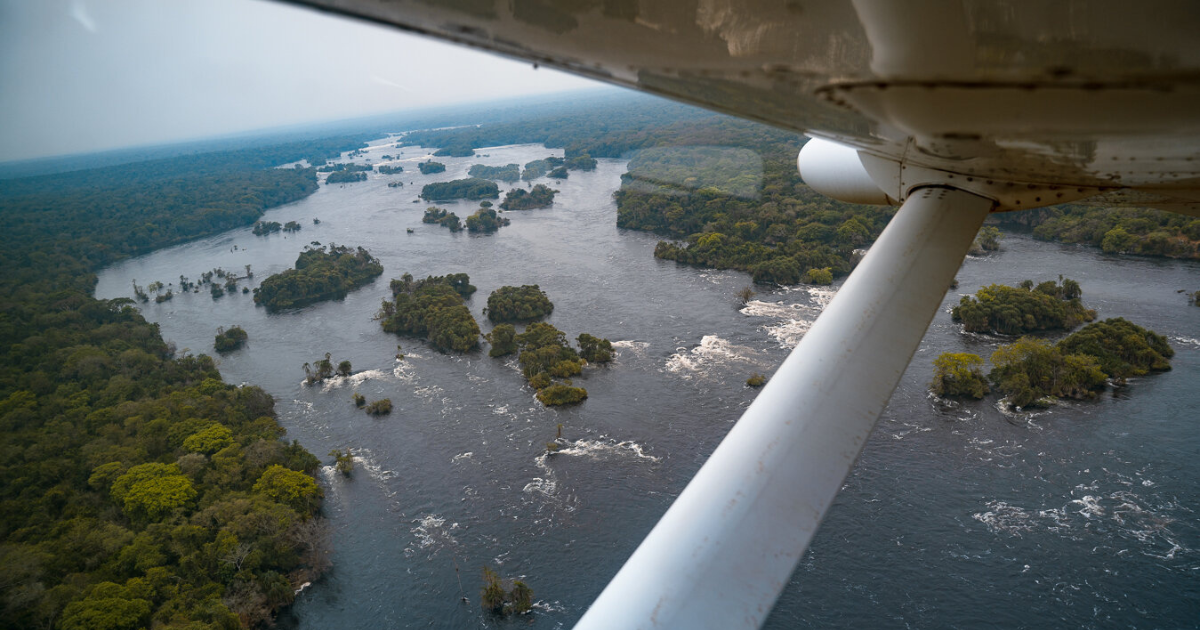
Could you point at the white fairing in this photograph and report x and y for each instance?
(837, 171)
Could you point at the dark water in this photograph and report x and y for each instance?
(954, 517)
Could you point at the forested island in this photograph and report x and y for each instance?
(346, 177)
(320, 274)
(390, 170)
(1032, 372)
(1006, 310)
(518, 304)
(230, 339)
(548, 361)
(455, 151)
(485, 221)
(432, 308)
(431, 167)
(473, 189)
(508, 173)
(129, 472)
(538, 168)
(540, 196)
(440, 216)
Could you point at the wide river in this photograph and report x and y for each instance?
(955, 516)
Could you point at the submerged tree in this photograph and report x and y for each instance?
(959, 374)
(498, 600)
(343, 462)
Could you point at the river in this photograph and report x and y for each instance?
(955, 516)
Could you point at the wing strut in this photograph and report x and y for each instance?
(725, 549)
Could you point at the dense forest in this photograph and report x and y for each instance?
(485, 221)
(473, 189)
(540, 196)
(1137, 231)
(508, 173)
(1032, 372)
(385, 169)
(998, 308)
(320, 274)
(518, 304)
(135, 484)
(346, 177)
(439, 216)
(431, 167)
(432, 308)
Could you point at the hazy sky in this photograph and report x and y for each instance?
(85, 75)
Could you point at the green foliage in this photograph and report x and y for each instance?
(503, 340)
(518, 304)
(345, 167)
(558, 173)
(988, 240)
(263, 228)
(230, 339)
(359, 400)
(289, 487)
(508, 173)
(320, 274)
(538, 168)
(344, 368)
(1122, 348)
(1018, 310)
(495, 599)
(345, 177)
(443, 218)
(431, 167)
(485, 220)
(756, 380)
(432, 308)
(594, 349)
(559, 394)
(380, 407)
(959, 374)
(343, 462)
(473, 189)
(540, 196)
(209, 440)
(455, 151)
(581, 162)
(109, 520)
(1030, 371)
(819, 276)
(385, 169)
(1133, 231)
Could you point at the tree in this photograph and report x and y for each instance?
(819, 276)
(756, 380)
(959, 374)
(380, 407)
(343, 368)
(289, 487)
(745, 295)
(594, 349)
(344, 462)
(503, 340)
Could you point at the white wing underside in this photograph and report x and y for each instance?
(1102, 96)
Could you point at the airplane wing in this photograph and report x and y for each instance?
(956, 108)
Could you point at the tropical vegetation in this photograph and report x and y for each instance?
(518, 304)
(486, 221)
(540, 196)
(230, 339)
(439, 216)
(1026, 308)
(321, 273)
(431, 167)
(473, 189)
(508, 173)
(432, 308)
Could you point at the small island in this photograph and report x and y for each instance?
(473, 189)
(541, 196)
(455, 151)
(581, 162)
(432, 308)
(263, 228)
(1033, 372)
(987, 241)
(538, 168)
(518, 304)
(1006, 310)
(320, 274)
(508, 173)
(230, 339)
(346, 177)
(390, 170)
(547, 360)
(558, 173)
(346, 168)
(443, 218)
(486, 221)
(431, 167)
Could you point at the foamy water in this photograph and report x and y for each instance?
(711, 351)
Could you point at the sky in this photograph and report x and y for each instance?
(85, 75)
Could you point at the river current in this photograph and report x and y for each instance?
(956, 515)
